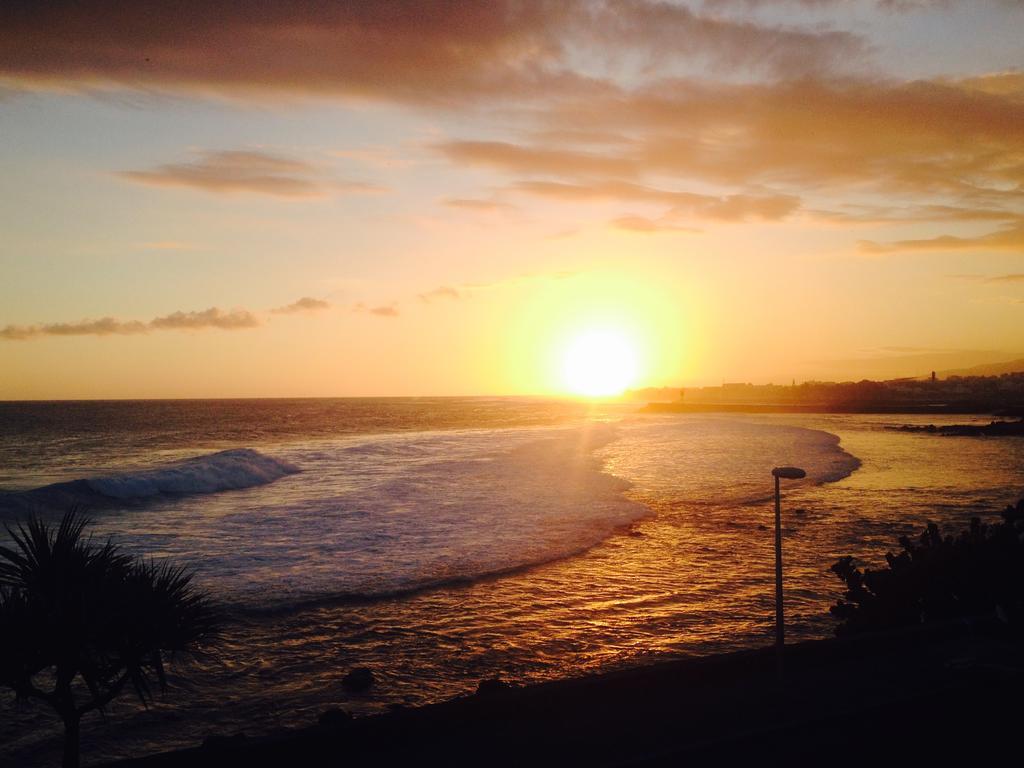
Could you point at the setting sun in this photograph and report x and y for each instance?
(599, 363)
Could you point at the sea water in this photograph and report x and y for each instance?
(444, 541)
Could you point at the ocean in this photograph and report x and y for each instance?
(441, 541)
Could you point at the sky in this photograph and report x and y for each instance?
(269, 199)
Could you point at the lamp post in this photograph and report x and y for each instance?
(789, 473)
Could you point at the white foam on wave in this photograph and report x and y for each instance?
(384, 514)
(699, 461)
(378, 515)
(226, 470)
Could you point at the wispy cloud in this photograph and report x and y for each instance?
(475, 204)
(1010, 240)
(207, 318)
(738, 207)
(649, 226)
(212, 318)
(442, 292)
(878, 214)
(947, 150)
(105, 326)
(537, 159)
(305, 304)
(381, 310)
(243, 171)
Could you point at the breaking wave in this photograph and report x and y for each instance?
(222, 471)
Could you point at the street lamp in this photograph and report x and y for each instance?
(789, 473)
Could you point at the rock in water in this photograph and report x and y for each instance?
(494, 685)
(334, 718)
(358, 680)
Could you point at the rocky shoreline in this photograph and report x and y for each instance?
(992, 429)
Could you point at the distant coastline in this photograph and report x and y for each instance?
(880, 408)
(1001, 395)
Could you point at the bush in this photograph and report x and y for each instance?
(979, 571)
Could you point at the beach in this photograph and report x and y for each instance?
(545, 543)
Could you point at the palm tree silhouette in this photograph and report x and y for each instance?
(80, 621)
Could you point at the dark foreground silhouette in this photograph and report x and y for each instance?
(978, 572)
(915, 697)
(81, 621)
(927, 670)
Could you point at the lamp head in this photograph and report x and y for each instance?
(789, 473)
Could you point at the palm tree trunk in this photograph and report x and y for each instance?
(71, 740)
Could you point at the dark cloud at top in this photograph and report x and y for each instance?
(413, 51)
(752, 115)
(888, 5)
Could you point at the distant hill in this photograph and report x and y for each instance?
(988, 369)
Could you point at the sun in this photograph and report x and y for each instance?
(599, 363)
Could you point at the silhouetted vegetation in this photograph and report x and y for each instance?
(979, 571)
(81, 621)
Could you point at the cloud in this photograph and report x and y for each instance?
(877, 214)
(213, 317)
(234, 171)
(383, 310)
(522, 159)
(105, 326)
(738, 207)
(443, 292)
(1010, 240)
(894, 5)
(473, 204)
(305, 304)
(913, 138)
(648, 226)
(1013, 278)
(207, 318)
(416, 51)
(947, 150)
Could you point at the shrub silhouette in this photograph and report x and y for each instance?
(976, 572)
(81, 621)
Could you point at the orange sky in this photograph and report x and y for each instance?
(269, 199)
